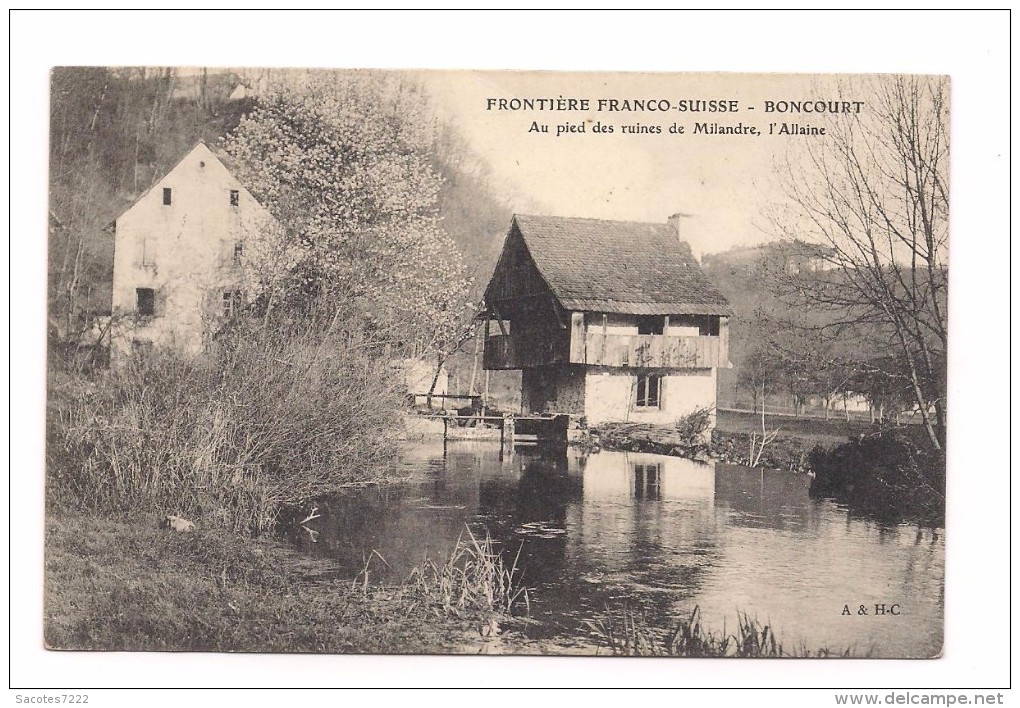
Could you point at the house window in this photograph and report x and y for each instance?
(167, 196)
(145, 301)
(649, 390)
(231, 302)
(708, 325)
(238, 252)
(235, 197)
(650, 324)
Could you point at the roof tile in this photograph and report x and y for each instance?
(619, 266)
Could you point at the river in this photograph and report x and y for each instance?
(659, 534)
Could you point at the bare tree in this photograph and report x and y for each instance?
(874, 192)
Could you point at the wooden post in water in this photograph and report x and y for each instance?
(511, 424)
(502, 438)
(445, 423)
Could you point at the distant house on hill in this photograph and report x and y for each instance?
(178, 252)
(241, 92)
(417, 379)
(606, 320)
(786, 257)
(207, 87)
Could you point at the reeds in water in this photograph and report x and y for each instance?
(630, 635)
(474, 577)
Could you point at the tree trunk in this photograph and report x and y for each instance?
(474, 365)
(435, 380)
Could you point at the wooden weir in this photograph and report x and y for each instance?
(515, 430)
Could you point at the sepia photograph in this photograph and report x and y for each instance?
(356, 350)
(463, 362)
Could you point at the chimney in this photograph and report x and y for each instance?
(674, 223)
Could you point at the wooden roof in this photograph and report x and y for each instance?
(624, 267)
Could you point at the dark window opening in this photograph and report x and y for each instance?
(231, 303)
(167, 196)
(708, 325)
(647, 481)
(235, 197)
(649, 390)
(146, 301)
(650, 324)
(238, 252)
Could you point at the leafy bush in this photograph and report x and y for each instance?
(695, 426)
(269, 416)
(888, 476)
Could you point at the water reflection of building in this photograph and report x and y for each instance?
(535, 486)
(647, 481)
(645, 522)
(638, 475)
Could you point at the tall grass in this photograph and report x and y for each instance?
(265, 418)
(474, 577)
(630, 635)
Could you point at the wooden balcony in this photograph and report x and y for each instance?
(507, 352)
(651, 351)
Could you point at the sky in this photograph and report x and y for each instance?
(721, 183)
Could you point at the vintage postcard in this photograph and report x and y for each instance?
(462, 362)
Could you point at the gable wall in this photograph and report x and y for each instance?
(184, 251)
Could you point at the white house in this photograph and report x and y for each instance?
(178, 254)
(607, 320)
(417, 378)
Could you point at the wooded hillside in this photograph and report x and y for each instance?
(115, 132)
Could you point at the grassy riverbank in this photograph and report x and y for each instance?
(736, 439)
(810, 431)
(131, 586)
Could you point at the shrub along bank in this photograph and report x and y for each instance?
(270, 417)
(892, 476)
